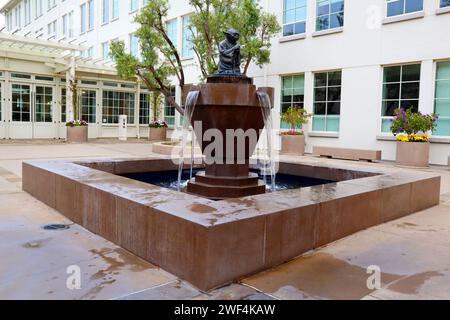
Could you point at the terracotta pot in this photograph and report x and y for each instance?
(413, 154)
(294, 145)
(77, 134)
(157, 134)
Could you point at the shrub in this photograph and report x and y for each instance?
(295, 117)
(158, 124)
(409, 126)
(76, 123)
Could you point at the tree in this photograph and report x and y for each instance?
(160, 62)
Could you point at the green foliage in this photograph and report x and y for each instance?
(412, 123)
(160, 61)
(213, 17)
(295, 117)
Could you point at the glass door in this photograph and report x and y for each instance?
(62, 113)
(21, 126)
(43, 117)
(88, 111)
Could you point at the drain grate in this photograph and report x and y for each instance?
(56, 227)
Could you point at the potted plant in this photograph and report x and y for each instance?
(412, 132)
(77, 131)
(157, 130)
(293, 141)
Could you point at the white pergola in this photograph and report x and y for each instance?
(63, 57)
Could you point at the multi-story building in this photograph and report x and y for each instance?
(350, 62)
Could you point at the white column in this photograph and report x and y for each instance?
(309, 98)
(427, 79)
(70, 76)
(137, 110)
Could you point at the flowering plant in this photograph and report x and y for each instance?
(158, 124)
(293, 133)
(76, 123)
(409, 126)
(295, 116)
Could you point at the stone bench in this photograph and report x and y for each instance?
(349, 154)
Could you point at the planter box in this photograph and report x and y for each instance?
(413, 154)
(157, 134)
(77, 134)
(294, 145)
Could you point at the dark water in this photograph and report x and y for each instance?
(169, 179)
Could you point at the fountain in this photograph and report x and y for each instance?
(212, 243)
(230, 106)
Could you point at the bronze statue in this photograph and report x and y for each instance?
(230, 53)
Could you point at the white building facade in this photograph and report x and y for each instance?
(350, 62)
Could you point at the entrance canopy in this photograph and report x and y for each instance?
(59, 55)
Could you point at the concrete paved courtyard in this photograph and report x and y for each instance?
(411, 253)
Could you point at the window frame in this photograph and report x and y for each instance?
(386, 16)
(283, 24)
(284, 126)
(326, 101)
(316, 17)
(436, 63)
(387, 118)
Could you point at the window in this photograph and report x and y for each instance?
(144, 108)
(134, 45)
(17, 17)
(187, 50)
(91, 14)
(88, 106)
(172, 31)
(169, 110)
(401, 86)
(65, 25)
(71, 24)
(327, 101)
(445, 3)
(399, 7)
(330, 14)
(83, 17)
(105, 15)
(27, 5)
(115, 9)
(51, 29)
(51, 4)
(44, 78)
(90, 52)
(63, 105)
(294, 17)
(117, 103)
(20, 102)
(442, 98)
(20, 76)
(44, 104)
(9, 21)
(134, 5)
(292, 94)
(37, 8)
(105, 50)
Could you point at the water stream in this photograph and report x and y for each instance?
(191, 101)
(268, 165)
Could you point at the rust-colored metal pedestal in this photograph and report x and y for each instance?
(230, 106)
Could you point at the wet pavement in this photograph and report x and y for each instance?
(411, 253)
